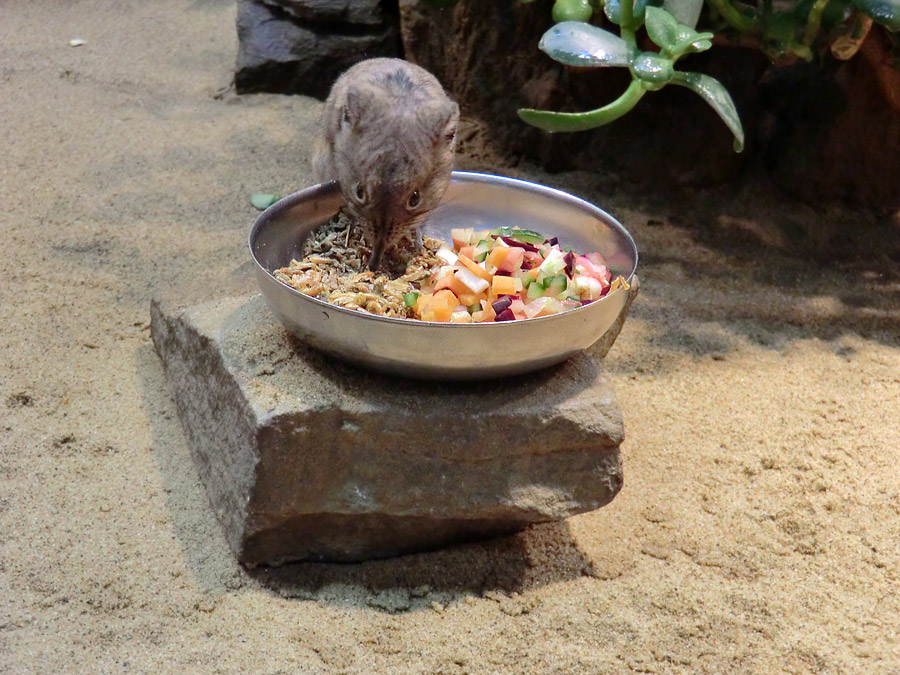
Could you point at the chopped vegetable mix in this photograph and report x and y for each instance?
(509, 274)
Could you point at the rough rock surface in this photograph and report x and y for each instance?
(364, 12)
(305, 458)
(301, 47)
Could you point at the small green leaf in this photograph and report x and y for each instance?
(885, 12)
(661, 27)
(613, 11)
(653, 70)
(690, 41)
(575, 43)
(572, 10)
(262, 201)
(714, 93)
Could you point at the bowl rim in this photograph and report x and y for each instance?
(294, 198)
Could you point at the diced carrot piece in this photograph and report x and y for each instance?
(450, 281)
(513, 260)
(474, 267)
(468, 251)
(497, 255)
(445, 298)
(441, 315)
(468, 298)
(437, 311)
(422, 302)
(436, 307)
(506, 286)
(488, 310)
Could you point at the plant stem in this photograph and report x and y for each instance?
(735, 19)
(814, 22)
(626, 26)
(556, 121)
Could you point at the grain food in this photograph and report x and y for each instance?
(333, 269)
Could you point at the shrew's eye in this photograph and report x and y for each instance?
(360, 192)
(414, 200)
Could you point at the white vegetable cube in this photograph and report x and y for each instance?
(443, 271)
(447, 256)
(543, 307)
(554, 263)
(461, 316)
(471, 281)
(588, 287)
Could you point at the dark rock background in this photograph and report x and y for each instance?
(825, 131)
(301, 46)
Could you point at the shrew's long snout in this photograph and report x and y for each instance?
(382, 227)
(377, 251)
(389, 229)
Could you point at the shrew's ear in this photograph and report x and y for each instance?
(451, 122)
(351, 112)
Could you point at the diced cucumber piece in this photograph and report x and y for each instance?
(527, 236)
(535, 290)
(409, 299)
(474, 308)
(555, 279)
(480, 257)
(556, 284)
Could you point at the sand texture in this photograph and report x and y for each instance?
(758, 529)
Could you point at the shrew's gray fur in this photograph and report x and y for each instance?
(388, 138)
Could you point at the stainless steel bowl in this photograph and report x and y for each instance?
(445, 351)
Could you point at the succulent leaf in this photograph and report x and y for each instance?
(714, 93)
(661, 27)
(575, 43)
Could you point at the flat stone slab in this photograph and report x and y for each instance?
(305, 458)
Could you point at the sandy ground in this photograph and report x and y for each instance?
(758, 527)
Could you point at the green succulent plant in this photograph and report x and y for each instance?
(781, 28)
(576, 43)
